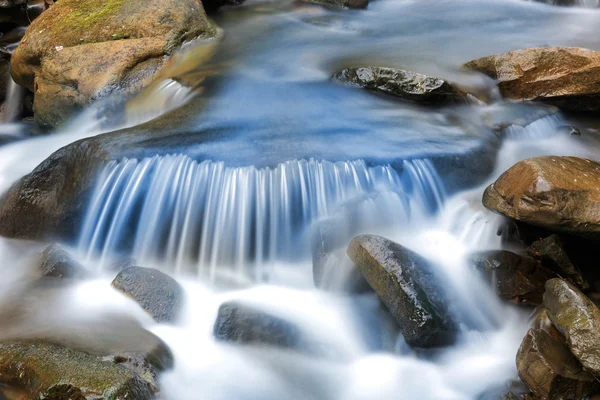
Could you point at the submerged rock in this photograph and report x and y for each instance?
(159, 294)
(244, 324)
(556, 193)
(47, 371)
(79, 51)
(578, 319)
(56, 262)
(563, 76)
(407, 285)
(516, 278)
(550, 370)
(400, 83)
(341, 3)
(550, 251)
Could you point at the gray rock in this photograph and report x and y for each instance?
(407, 285)
(56, 262)
(400, 83)
(159, 294)
(578, 319)
(341, 3)
(550, 370)
(516, 278)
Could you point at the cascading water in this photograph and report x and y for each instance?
(14, 98)
(179, 212)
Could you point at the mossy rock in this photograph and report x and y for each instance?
(47, 371)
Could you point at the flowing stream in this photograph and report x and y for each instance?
(232, 214)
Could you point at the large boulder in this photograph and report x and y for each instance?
(408, 286)
(578, 319)
(515, 278)
(159, 294)
(551, 252)
(47, 371)
(79, 51)
(400, 83)
(550, 371)
(566, 77)
(556, 193)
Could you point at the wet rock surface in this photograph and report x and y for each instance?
(551, 252)
(341, 3)
(407, 85)
(550, 370)
(578, 319)
(556, 193)
(516, 278)
(406, 284)
(159, 294)
(48, 371)
(56, 262)
(563, 76)
(214, 5)
(79, 51)
(4, 72)
(246, 324)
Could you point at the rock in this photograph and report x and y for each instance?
(563, 76)
(4, 72)
(47, 371)
(562, 2)
(517, 278)
(56, 262)
(569, 130)
(550, 370)
(159, 294)
(79, 51)
(244, 324)
(578, 319)
(12, 3)
(406, 284)
(360, 4)
(556, 193)
(214, 5)
(550, 251)
(139, 365)
(404, 84)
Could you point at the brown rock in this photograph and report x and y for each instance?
(516, 278)
(563, 76)
(556, 193)
(550, 371)
(578, 319)
(550, 251)
(81, 50)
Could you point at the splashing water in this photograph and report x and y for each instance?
(14, 98)
(181, 212)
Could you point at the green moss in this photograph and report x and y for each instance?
(92, 13)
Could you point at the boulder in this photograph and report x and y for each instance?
(550, 251)
(578, 319)
(244, 324)
(400, 83)
(556, 193)
(550, 371)
(47, 371)
(566, 77)
(407, 285)
(516, 278)
(341, 3)
(159, 294)
(56, 262)
(79, 51)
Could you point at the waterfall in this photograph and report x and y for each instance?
(14, 99)
(194, 216)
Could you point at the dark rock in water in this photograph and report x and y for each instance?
(578, 319)
(562, 76)
(4, 72)
(550, 251)
(569, 130)
(561, 2)
(550, 370)
(47, 371)
(245, 324)
(517, 278)
(139, 365)
(56, 262)
(341, 3)
(214, 5)
(159, 294)
(12, 3)
(555, 193)
(404, 84)
(408, 287)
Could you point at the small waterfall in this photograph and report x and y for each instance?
(193, 217)
(14, 99)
